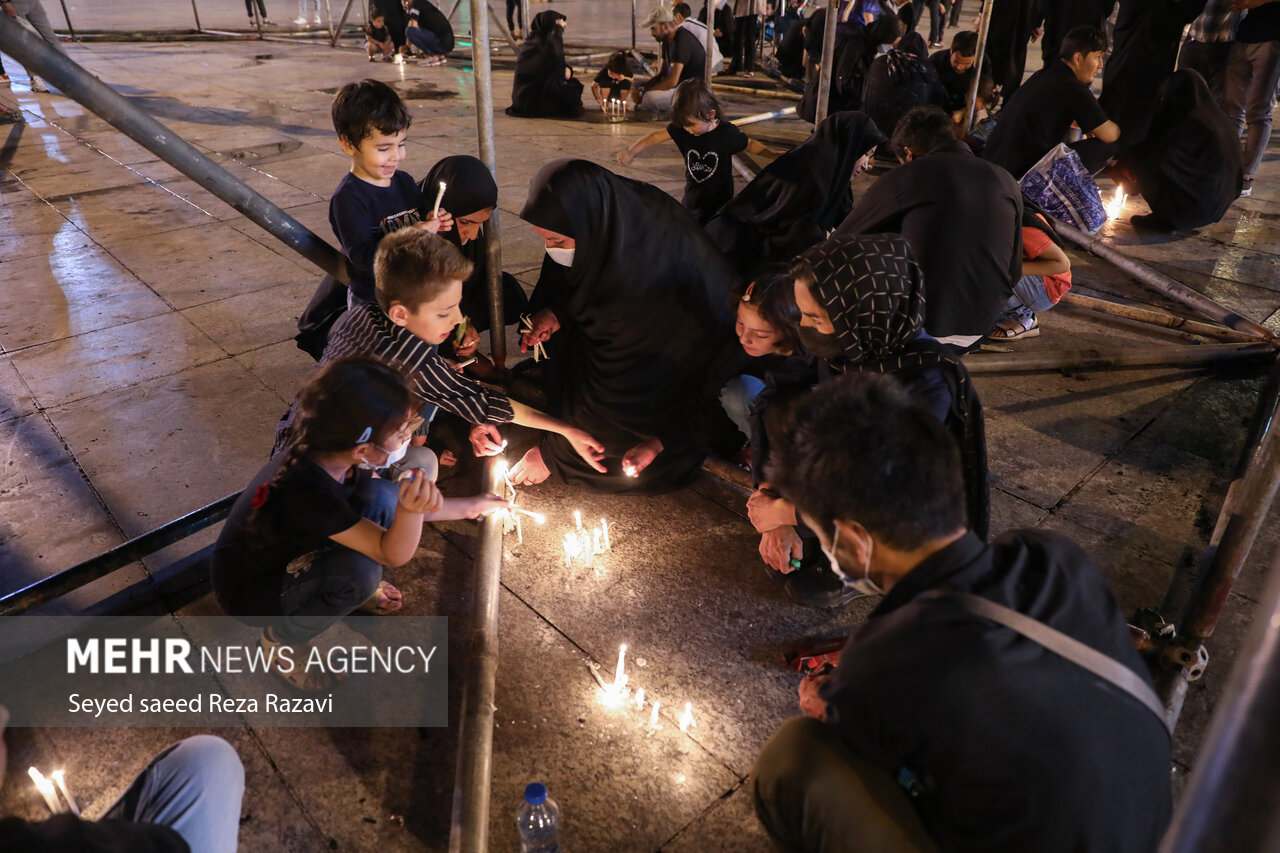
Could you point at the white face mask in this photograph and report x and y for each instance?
(563, 257)
(394, 456)
(864, 584)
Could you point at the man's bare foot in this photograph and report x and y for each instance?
(530, 470)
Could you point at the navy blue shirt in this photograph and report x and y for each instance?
(361, 213)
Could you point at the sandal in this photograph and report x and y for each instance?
(381, 602)
(298, 676)
(1014, 328)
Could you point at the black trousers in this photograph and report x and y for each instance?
(955, 12)
(744, 40)
(514, 10)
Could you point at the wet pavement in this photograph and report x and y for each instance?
(146, 351)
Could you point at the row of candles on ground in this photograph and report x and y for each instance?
(615, 695)
(48, 790)
(616, 108)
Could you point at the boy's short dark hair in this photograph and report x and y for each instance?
(682, 9)
(374, 12)
(361, 108)
(693, 101)
(618, 63)
(965, 43)
(413, 266)
(922, 129)
(859, 448)
(885, 29)
(1084, 40)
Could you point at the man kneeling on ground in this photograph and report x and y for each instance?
(941, 728)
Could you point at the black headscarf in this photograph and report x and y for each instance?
(644, 308)
(873, 291)
(798, 198)
(540, 87)
(898, 81)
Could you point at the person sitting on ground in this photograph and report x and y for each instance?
(956, 68)
(797, 199)
(897, 82)
(613, 83)
(962, 217)
(307, 540)
(940, 728)
(854, 54)
(684, 20)
(790, 53)
(1190, 168)
(544, 85)
(377, 38)
(471, 190)
(186, 800)
(683, 58)
(1041, 113)
(708, 144)
(429, 32)
(1046, 276)
(392, 11)
(861, 302)
(632, 304)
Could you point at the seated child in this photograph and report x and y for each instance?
(307, 540)
(708, 145)
(613, 83)
(1046, 275)
(375, 198)
(377, 38)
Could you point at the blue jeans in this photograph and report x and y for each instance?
(194, 787)
(737, 396)
(1029, 298)
(1250, 92)
(425, 41)
(326, 585)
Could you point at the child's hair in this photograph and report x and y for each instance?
(618, 64)
(361, 108)
(693, 101)
(885, 29)
(986, 90)
(374, 14)
(413, 266)
(682, 9)
(772, 293)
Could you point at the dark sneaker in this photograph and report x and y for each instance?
(818, 586)
(1247, 189)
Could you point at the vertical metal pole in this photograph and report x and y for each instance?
(633, 24)
(828, 60)
(971, 107)
(257, 18)
(470, 826)
(195, 11)
(524, 21)
(67, 15)
(342, 22)
(480, 61)
(328, 12)
(711, 37)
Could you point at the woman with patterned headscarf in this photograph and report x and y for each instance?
(861, 301)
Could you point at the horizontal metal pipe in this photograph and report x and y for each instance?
(731, 474)
(1165, 285)
(1154, 317)
(785, 94)
(759, 117)
(127, 117)
(82, 574)
(1098, 359)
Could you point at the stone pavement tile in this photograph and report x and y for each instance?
(32, 229)
(74, 289)
(1010, 512)
(50, 517)
(1211, 419)
(98, 175)
(1242, 264)
(116, 357)
(15, 399)
(282, 367)
(128, 211)
(316, 176)
(277, 192)
(191, 438)
(728, 826)
(255, 319)
(314, 215)
(212, 261)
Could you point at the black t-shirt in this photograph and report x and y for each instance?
(431, 18)
(1038, 116)
(708, 167)
(377, 33)
(610, 88)
(296, 516)
(791, 51)
(956, 84)
(1261, 24)
(684, 48)
(361, 213)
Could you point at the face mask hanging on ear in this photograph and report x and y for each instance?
(563, 257)
(864, 585)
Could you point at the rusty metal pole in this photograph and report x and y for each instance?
(828, 60)
(483, 74)
(971, 100)
(67, 15)
(196, 11)
(1202, 355)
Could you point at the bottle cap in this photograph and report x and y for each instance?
(535, 794)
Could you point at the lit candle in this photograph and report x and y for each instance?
(653, 717)
(519, 531)
(595, 541)
(45, 787)
(619, 676)
(686, 717)
(630, 470)
(1115, 207)
(577, 519)
(435, 210)
(60, 778)
(604, 529)
(568, 550)
(536, 516)
(640, 699)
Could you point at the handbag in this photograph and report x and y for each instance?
(1061, 185)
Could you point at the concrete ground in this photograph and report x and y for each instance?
(145, 352)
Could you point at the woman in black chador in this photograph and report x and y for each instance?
(632, 304)
(544, 84)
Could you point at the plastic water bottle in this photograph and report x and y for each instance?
(538, 821)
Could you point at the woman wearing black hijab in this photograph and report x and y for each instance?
(797, 199)
(1189, 168)
(544, 84)
(471, 195)
(898, 81)
(633, 304)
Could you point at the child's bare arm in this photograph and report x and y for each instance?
(656, 138)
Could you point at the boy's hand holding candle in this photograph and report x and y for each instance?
(486, 440)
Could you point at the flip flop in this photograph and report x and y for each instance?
(379, 603)
(298, 677)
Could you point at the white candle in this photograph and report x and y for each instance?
(630, 470)
(519, 532)
(577, 519)
(686, 717)
(640, 699)
(595, 541)
(60, 778)
(536, 516)
(604, 529)
(435, 210)
(45, 787)
(653, 717)
(619, 676)
(568, 550)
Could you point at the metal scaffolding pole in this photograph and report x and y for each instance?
(483, 71)
(1201, 355)
(470, 829)
(342, 22)
(67, 15)
(196, 11)
(971, 101)
(711, 36)
(828, 60)
(126, 117)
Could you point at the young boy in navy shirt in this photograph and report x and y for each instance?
(375, 197)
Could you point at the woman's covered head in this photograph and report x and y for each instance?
(353, 404)
(768, 321)
(470, 194)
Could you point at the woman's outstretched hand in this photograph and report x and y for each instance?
(591, 451)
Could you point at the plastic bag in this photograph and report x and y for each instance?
(1062, 186)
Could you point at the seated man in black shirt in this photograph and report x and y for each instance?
(956, 68)
(682, 59)
(941, 729)
(1042, 111)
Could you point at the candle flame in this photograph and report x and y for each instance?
(1115, 207)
